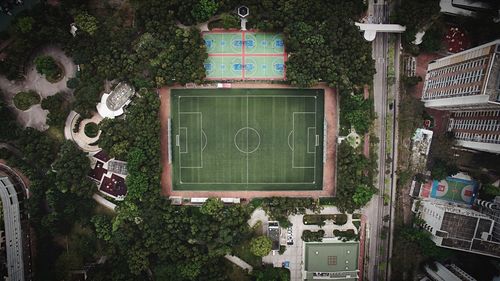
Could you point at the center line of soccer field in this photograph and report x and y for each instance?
(247, 143)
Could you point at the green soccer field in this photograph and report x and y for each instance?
(247, 139)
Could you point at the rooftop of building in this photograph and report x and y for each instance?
(274, 234)
(331, 256)
(119, 96)
(112, 104)
(109, 174)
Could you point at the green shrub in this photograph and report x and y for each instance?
(347, 235)
(46, 65)
(76, 128)
(25, 100)
(73, 83)
(340, 219)
(91, 130)
(261, 246)
(282, 249)
(313, 236)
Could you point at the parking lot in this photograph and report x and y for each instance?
(293, 256)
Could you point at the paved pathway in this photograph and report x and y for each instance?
(239, 262)
(80, 138)
(35, 116)
(294, 253)
(101, 200)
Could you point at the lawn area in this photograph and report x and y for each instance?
(243, 252)
(25, 100)
(247, 139)
(236, 273)
(91, 130)
(338, 219)
(56, 134)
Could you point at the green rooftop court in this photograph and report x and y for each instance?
(244, 55)
(247, 139)
(331, 260)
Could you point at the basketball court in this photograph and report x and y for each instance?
(244, 55)
(457, 190)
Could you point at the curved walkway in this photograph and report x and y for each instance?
(239, 262)
(79, 137)
(35, 116)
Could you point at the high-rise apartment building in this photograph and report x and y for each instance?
(468, 80)
(478, 129)
(458, 228)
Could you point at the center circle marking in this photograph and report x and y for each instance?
(247, 134)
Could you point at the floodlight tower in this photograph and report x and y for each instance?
(243, 12)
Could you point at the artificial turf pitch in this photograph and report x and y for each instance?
(247, 139)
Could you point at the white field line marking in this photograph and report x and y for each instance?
(251, 96)
(293, 127)
(183, 129)
(308, 144)
(247, 142)
(254, 96)
(291, 148)
(201, 140)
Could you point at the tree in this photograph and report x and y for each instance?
(204, 10)
(58, 109)
(102, 225)
(491, 190)
(212, 207)
(25, 24)
(86, 22)
(441, 169)
(363, 194)
(47, 66)
(261, 246)
(271, 273)
(72, 167)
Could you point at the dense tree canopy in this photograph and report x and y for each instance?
(58, 108)
(261, 246)
(71, 168)
(354, 185)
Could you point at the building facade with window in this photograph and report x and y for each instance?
(458, 228)
(468, 80)
(478, 129)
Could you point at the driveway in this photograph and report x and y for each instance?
(294, 253)
(35, 116)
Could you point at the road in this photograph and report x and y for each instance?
(377, 252)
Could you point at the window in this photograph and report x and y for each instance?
(332, 260)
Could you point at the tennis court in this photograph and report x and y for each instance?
(244, 55)
(247, 139)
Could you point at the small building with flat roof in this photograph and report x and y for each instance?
(112, 104)
(331, 259)
(273, 232)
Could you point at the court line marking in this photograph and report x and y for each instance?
(256, 96)
(291, 148)
(308, 134)
(201, 139)
(206, 139)
(293, 128)
(248, 175)
(251, 96)
(183, 128)
(312, 182)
